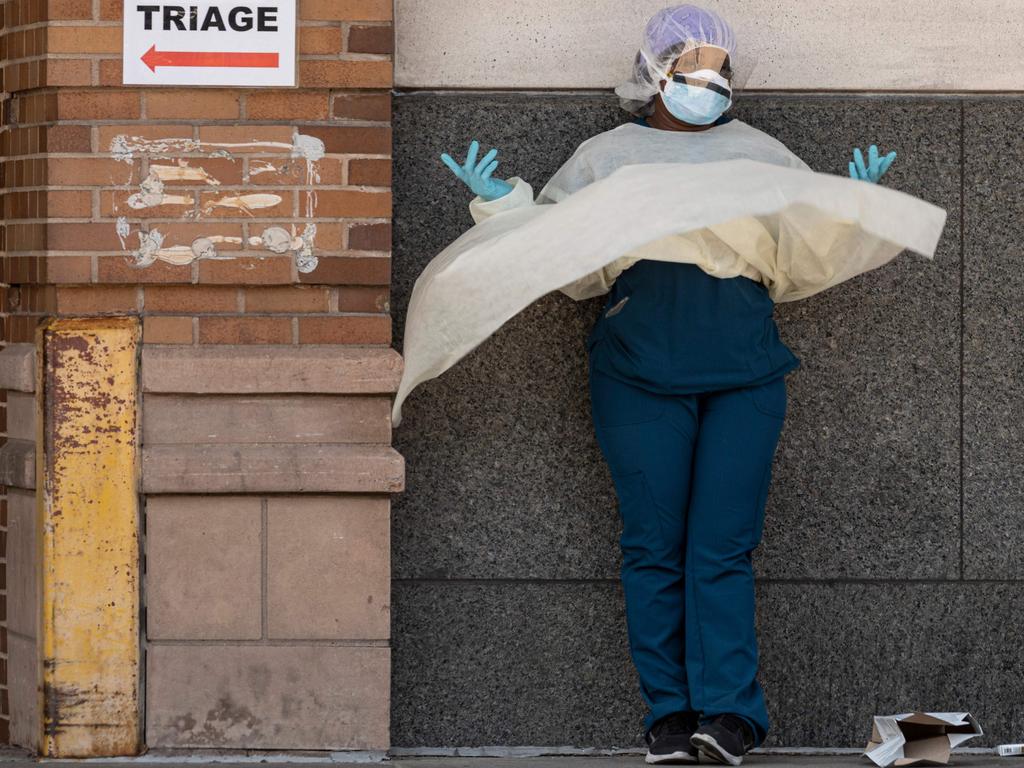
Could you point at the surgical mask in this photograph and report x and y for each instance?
(697, 104)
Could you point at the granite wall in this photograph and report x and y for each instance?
(891, 575)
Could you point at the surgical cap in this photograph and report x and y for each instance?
(669, 33)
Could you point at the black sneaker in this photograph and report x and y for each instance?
(668, 740)
(724, 740)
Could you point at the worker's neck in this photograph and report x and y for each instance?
(664, 120)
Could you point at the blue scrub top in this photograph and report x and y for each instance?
(675, 329)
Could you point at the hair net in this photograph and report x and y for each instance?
(669, 33)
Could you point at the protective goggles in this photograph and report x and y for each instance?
(706, 66)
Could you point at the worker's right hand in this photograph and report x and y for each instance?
(477, 175)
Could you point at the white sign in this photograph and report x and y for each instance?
(222, 42)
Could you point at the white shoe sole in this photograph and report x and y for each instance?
(711, 749)
(672, 758)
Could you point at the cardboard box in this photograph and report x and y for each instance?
(919, 738)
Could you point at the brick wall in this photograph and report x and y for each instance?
(102, 179)
(245, 220)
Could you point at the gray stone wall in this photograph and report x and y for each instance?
(891, 576)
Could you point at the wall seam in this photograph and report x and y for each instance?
(963, 323)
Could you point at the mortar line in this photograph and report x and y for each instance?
(963, 324)
(923, 95)
(823, 581)
(264, 633)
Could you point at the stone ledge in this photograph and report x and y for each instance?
(18, 464)
(18, 367)
(272, 468)
(269, 369)
(177, 419)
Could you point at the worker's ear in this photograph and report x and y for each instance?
(661, 85)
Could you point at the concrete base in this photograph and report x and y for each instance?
(635, 760)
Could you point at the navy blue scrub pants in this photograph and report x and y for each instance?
(691, 473)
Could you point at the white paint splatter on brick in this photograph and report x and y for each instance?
(245, 203)
(149, 246)
(182, 172)
(256, 167)
(123, 229)
(152, 193)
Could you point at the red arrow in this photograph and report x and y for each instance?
(154, 58)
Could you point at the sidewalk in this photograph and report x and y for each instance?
(770, 760)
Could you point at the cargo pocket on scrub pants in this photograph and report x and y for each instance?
(641, 522)
(759, 513)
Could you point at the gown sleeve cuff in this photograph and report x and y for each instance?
(520, 196)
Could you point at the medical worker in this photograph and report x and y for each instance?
(688, 394)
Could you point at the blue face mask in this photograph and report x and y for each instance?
(694, 104)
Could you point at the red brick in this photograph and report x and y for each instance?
(378, 39)
(68, 72)
(370, 106)
(319, 40)
(369, 237)
(122, 269)
(290, 299)
(360, 299)
(369, 173)
(69, 204)
(167, 330)
(193, 298)
(247, 270)
(68, 10)
(68, 269)
(351, 140)
(350, 270)
(21, 329)
(97, 300)
(91, 39)
(111, 10)
(350, 10)
(255, 138)
(98, 105)
(340, 203)
(111, 72)
(82, 237)
(35, 299)
(67, 138)
(245, 330)
(345, 74)
(207, 104)
(347, 329)
(286, 105)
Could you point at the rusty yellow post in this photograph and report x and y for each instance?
(89, 538)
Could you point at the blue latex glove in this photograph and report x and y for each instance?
(477, 175)
(875, 168)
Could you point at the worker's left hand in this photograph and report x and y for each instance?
(875, 168)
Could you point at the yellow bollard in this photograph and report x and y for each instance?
(87, 465)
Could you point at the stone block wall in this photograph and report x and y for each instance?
(267, 546)
(889, 577)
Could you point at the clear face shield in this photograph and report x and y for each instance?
(699, 85)
(685, 67)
